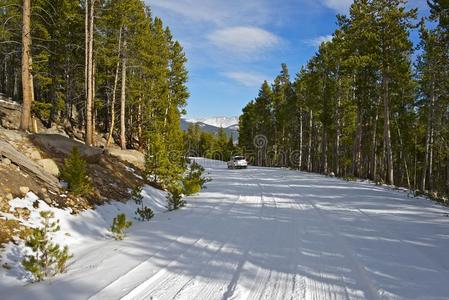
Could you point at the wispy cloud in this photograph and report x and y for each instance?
(244, 40)
(317, 41)
(340, 6)
(246, 78)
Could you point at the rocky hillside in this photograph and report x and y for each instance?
(33, 162)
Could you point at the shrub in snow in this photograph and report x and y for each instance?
(174, 197)
(143, 213)
(194, 181)
(136, 195)
(75, 174)
(48, 259)
(119, 224)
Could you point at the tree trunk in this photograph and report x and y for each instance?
(300, 139)
(139, 122)
(373, 168)
(26, 66)
(407, 174)
(429, 133)
(356, 158)
(309, 147)
(94, 111)
(89, 68)
(123, 95)
(337, 134)
(387, 133)
(114, 91)
(324, 166)
(447, 175)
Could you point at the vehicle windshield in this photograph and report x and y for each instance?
(239, 158)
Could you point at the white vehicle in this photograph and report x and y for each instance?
(238, 162)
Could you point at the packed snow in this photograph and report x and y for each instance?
(260, 234)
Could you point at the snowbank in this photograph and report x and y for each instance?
(77, 231)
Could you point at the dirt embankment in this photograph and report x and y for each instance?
(32, 163)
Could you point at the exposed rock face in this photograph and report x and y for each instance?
(133, 157)
(59, 145)
(35, 155)
(49, 166)
(9, 113)
(6, 161)
(25, 163)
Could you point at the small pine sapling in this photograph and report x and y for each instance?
(48, 259)
(143, 212)
(136, 195)
(74, 173)
(174, 197)
(119, 224)
(194, 181)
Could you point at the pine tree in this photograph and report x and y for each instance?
(48, 259)
(75, 174)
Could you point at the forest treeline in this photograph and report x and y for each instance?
(102, 66)
(369, 104)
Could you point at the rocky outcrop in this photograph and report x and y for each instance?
(12, 154)
(58, 145)
(49, 166)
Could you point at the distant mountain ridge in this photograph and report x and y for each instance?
(224, 122)
(213, 124)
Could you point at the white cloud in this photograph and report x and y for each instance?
(224, 13)
(316, 42)
(244, 40)
(340, 6)
(246, 78)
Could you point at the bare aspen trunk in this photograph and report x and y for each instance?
(114, 91)
(387, 134)
(123, 95)
(26, 66)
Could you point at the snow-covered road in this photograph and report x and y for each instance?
(270, 234)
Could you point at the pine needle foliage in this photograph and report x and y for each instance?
(48, 258)
(143, 213)
(75, 174)
(194, 181)
(119, 225)
(174, 197)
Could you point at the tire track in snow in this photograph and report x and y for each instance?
(145, 288)
(113, 284)
(372, 291)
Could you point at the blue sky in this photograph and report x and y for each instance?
(233, 45)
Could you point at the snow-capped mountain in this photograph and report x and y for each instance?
(224, 122)
(213, 124)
